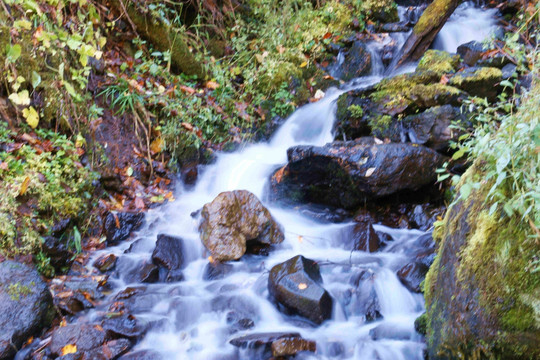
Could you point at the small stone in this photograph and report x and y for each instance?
(105, 263)
(290, 347)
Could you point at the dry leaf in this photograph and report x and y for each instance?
(378, 141)
(69, 349)
(212, 85)
(302, 286)
(24, 186)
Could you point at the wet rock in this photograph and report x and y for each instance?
(296, 284)
(420, 324)
(125, 325)
(364, 300)
(478, 81)
(119, 225)
(105, 263)
(364, 237)
(261, 339)
(239, 306)
(84, 336)
(149, 273)
(60, 227)
(345, 174)
(26, 306)
(234, 218)
(402, 26)
(412, 275)
(357, 62)
(471, 52)
(72, 294)
(216, 270)
(432, 128)
(168, 253)
(238, 323)
(58, 252)
(509, 71)
(134, 300)
(291, 347)
(324, 214)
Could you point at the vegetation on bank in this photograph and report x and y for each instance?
(483, 290)
(64, 65)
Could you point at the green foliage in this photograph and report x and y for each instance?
(356, 111)
(43, 184)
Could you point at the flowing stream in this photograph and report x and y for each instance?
(187, 324)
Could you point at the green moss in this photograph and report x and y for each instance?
(379, 124)
(381, 10)
(479, 75)
(356, 111)
(434, 14)
(17, 290)
(439, 62)
(491, 311)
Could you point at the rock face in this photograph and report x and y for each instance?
(297, 285)
(343, 174)
(233, 219)
(26, 306)
(480, 295)
(119, 225)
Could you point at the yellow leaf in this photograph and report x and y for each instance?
(304, 64)
(31, 116)
(22, 98)
(157, 145)
(69, 349)
(24, 186)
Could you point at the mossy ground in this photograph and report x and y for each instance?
(439, 62)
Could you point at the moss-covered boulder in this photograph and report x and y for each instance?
(409, 93)
(478, 81)
(439, 62)
(482, 296)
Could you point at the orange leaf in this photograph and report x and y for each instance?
(157, 145)
(187, 90)
(327, 35)
(187, 126)
(24, 186)
(69, 349)
(212, 85)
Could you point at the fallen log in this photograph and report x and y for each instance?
(425, 30)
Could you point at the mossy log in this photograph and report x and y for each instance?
(428, 26)
(162, 36)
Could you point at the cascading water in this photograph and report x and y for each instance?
(186, 323)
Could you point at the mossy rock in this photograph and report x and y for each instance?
(439, 62)
(478, 81)
(410, 93)
(481, 293)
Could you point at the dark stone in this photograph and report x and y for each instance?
(412, 275)
(60, 227)
(119, 225)
(216, 270)
(349, 124)
(169, 254)
(26, 306)
(234, 218)
(402, 26)
(509, 71)
(125, 325)
(84, 336)
(237, 323)
(345, 174)
(471, 52)
(105, 263)
(58, 252)
(149, 273)
(235, 305)
(357, 62)
(297, 285)
(432, 128)
(364, 236)
(420, 324)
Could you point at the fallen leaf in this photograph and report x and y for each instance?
(31, 116)
(139, 203)
(24, 186)
(187, 90)
(187, 126)
(302, 286)
(69, 349)
(304, 64)
(370, 171)
(157, 145)
(212, 85)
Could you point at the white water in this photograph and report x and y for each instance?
(466, 24)
(191, 328)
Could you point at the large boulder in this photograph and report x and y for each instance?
(119, 225)
(26, 305)
(344, 174)
(233, 219)
(482, 291)
(296, 284)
